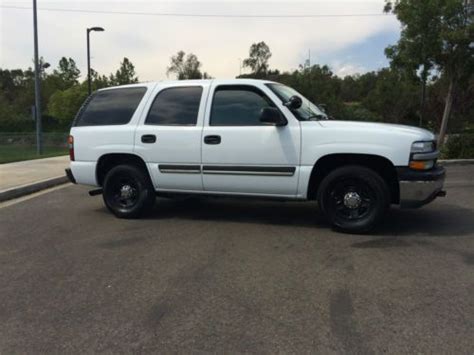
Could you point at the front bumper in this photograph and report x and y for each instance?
(418, 188)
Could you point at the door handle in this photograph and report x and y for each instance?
(148, 138)
(212, 139)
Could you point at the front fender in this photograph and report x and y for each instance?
(398, 157)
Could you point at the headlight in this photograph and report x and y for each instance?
(423, 147)
(423, 155)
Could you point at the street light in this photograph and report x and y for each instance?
(98, 29)
(36, 114)
(43, 67)
(39, 147)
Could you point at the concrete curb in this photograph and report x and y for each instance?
(450, 162)
(27, 189)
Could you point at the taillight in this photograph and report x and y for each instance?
(70, 144)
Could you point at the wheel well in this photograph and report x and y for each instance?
(108, 161)
(381, 165)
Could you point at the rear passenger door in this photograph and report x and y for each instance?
(168, 137)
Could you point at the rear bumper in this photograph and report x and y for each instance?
(70, 176)
(418, 188)
(84, 172)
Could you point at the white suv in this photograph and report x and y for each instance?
(246, 138)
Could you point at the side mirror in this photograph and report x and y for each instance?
(272, 116)
(323, 107)
(294, 102)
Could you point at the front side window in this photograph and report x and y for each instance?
(110, 107)
(307, 112)
(175, 106)
(238, 105)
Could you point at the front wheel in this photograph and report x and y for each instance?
(353, 198)
(128, 191)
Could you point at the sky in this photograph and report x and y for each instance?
(347, 44)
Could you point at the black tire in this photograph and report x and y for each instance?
(353, 198)
(128, 191)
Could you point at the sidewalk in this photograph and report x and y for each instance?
(21, 178)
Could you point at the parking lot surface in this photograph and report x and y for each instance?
(229, 275)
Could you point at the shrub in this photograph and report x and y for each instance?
(460, 146)
(356, 112)
(63, 105)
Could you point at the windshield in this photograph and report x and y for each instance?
(307, 112)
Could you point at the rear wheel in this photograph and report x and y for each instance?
(128, 191)
(353, 198)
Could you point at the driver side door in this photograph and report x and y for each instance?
(240, 154)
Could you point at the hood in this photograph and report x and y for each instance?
(418, 133)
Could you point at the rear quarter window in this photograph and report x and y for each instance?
(110, 107)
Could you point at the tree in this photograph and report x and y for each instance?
(67, 72)
(415, 49)
(393, 97)
(125, 74)
(64, 104)
(63, 77)
(186, 67)
(435, 34)
(259, 54)
(14, 82)
(99, 81)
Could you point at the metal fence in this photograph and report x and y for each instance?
(22, 146)
(57, 140)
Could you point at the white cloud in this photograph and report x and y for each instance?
(343, 70)
(149, 41)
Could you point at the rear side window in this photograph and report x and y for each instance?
(110, 107)
(175, 106)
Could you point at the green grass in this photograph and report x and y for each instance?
(12, 153)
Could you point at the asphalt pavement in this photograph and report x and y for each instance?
(230, 275)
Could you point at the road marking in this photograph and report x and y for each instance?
(33, 195)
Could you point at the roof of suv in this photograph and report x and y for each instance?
(184, 82)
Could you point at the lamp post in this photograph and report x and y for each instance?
(36, 109)
(39, 147)
(89, 30)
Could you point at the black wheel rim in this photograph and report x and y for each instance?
(123, 192)
(351, 198)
